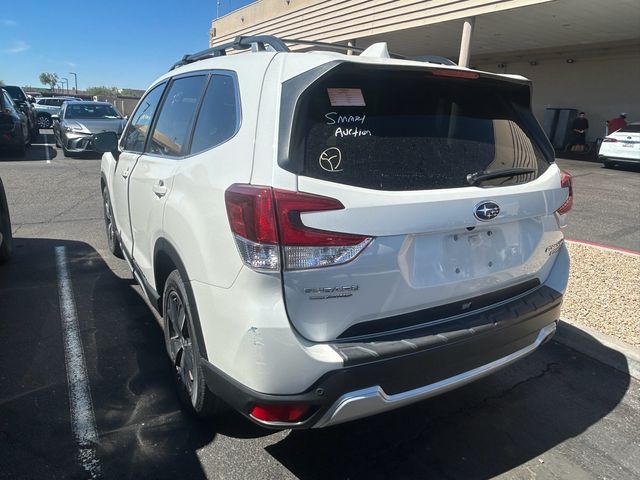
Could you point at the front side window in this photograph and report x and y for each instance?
(138, 129)
(413, 130)
(175, 119)
(218, 117)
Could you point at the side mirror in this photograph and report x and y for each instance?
(55, 117)
(106, 142)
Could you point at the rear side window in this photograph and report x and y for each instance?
(218, 118)
(175, 119)
(138, 129)
(412, 130)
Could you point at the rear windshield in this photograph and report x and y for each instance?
(633, 128)
(16, 93)
(412, 130)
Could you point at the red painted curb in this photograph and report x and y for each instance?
(604, 247)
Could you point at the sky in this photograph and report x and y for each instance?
(119, 43)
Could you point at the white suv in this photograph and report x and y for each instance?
(331, 236)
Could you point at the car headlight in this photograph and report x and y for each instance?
(73, 129)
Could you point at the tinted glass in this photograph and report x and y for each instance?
(8, 103)
(141, 121)
(633, 128)
(90, 110)
(16, 93)
(218, 117)
(404, 130)
(176, 116)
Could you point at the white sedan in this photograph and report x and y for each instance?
(621, 147)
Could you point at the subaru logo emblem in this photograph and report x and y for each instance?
(486, 211)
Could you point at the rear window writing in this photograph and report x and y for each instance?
(414, 132)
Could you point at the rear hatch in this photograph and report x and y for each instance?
(398, 148)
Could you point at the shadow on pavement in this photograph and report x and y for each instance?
(482, 430)
(487, 428)
(143, 432)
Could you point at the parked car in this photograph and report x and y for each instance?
(14, 129)
(74, 127)
(22, 101)
(6, 237)
(47, 106)
(332, 236)
(621, 147)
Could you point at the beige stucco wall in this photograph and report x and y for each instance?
(602, 86)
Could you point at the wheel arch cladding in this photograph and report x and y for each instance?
(166, 260)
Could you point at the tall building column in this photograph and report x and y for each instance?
(351, 43)
(465, 42)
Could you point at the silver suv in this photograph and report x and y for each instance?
(46, 107)
(331, 236)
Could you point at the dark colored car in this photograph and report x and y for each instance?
(6, 239)
(24, 104)
(14, 129)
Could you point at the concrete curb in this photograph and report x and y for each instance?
(604, 348)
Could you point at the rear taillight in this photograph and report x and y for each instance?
(565, 182)
(609, 140)
(265, 220)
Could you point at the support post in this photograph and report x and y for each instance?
(351, 43)
(465, 42)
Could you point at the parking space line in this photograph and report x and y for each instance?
(83, 423)
(46, 148)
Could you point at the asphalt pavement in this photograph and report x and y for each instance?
(605, 206)
(555, 414)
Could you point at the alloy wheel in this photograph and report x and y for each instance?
(180, 342)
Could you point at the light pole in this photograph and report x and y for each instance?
(66, 80)
(76, 78)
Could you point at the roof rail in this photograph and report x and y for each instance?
(258, 43)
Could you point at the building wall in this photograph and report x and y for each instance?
(341, 21)
(602, 86)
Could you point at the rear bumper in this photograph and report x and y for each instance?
(391, 373)
(616, 159)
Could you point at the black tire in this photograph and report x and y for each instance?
(110, 226)
(44, 121)
(66, 152)
(184, 352)
(58, 144)
(607, 164)
(6, 247)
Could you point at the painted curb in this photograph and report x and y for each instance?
(604, 348)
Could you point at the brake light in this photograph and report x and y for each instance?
(455, 74)
(609, 140)
(279, 413)
(266, 220)
(565, 182)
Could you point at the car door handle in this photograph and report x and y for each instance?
(125, 174)
(160, 189)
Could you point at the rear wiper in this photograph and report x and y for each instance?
(476, 177)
